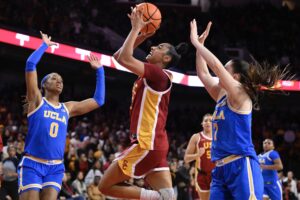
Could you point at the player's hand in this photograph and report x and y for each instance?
(200, 151)
(204, 35)
(94, 61)
(194, 32)
(136, 18)
(47, 39)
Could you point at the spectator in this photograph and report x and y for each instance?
(67, 191)
(293, 183)
(10, 176)
(79, 185)
(287, 193)
(3, 193)
(92, 173)
(183, 181)
(93, 191)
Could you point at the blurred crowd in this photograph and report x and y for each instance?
(263, 30)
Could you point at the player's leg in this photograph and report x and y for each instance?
(275, 191)
(123, 169)
(52, 182)
(49, 193)
(204, 195)
(244, 179)
(161, 181)
(30, 194)
(266, 193)
(203, 185)
(218, 189)
(29, 179)
(109, 184)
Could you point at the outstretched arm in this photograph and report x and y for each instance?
(34, 95)
(85, 106)
(126, 53)
(210, 83)
(228, 82)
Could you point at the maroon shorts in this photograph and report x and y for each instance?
(137, 162)
(203, 181)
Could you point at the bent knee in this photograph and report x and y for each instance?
(167, 193)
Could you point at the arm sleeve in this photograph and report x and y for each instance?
(35, 57)
(99, 94)
(156, 78)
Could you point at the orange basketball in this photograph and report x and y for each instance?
(151, 12)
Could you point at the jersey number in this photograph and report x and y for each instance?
(216, 131)
(53, 129)
(208, 154)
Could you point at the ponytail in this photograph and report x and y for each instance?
(176, 52)
(256, 76)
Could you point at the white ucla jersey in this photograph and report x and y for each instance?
(47, 130)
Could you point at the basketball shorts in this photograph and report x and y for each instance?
(203, 181)
(239, 179)
(273, 190)
(137, 162)
(36, 174)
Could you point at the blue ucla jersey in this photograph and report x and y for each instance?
(47, 130)
(268, 159)
(231, 132)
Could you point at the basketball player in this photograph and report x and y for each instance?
(42, 168)
(199, 149)
(146, 157)
(270, 163)
(237, 174)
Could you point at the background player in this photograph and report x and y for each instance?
(148, 114)
(199, 149)
(237, 174)
(270, 163)
(42, 165)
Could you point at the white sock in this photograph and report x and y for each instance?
(149, 195)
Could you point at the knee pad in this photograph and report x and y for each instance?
(166, 194)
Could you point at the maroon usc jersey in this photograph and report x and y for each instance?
(149, 108)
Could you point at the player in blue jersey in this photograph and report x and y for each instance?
(237, 174)
(42, 168)
(270, 163)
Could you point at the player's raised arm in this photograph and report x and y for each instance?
(126, 54)
(211, 84)
(228, 82)
(34, 95)
(85, 106)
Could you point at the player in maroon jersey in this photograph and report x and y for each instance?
(198, 150)
(146, 157)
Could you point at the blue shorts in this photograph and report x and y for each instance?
(35, 175)
(273, 190)
(239, 179)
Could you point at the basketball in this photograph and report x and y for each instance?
(151, 12)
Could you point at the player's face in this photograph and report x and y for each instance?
(157, 53)
(55, 83)
(268, 145)
(206, 123)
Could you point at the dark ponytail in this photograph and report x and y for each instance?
(176, 52)
(255, 76)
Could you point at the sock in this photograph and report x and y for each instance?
(149, 195)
